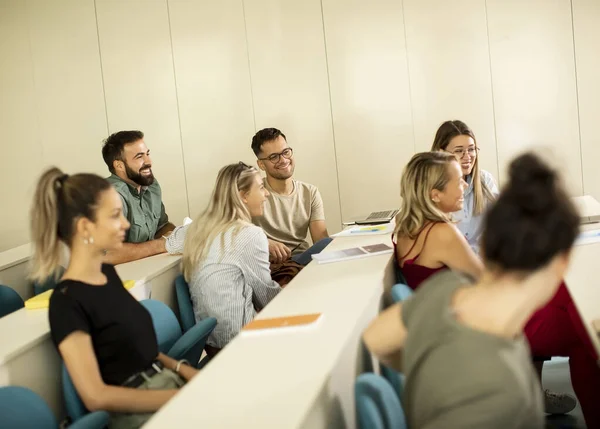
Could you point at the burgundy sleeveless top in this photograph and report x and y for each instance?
(416, 274)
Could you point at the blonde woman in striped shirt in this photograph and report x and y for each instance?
(226, 257)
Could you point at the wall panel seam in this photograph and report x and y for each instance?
(249, 69)
(577, 99)
(101, 69)
(487, 29)
(187, 195)
(335, 154)
(412, 113)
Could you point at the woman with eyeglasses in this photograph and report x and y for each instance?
(427, 242)
(226, 257)
(458, 139)
(461, 341)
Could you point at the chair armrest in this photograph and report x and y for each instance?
(191, 344)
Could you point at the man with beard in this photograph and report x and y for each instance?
(293, 208)
(128, 159)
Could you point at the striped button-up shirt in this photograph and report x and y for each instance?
(233, 278)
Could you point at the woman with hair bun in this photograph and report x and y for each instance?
(461, 340)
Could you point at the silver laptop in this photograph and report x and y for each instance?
(376, 218)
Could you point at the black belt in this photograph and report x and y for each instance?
(142, 376)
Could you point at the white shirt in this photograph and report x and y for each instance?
(469, 224)
(233, 277)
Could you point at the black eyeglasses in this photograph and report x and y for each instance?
(287, 153)
(460, 153)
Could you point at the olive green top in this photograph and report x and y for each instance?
(459, 377)
(144, 210)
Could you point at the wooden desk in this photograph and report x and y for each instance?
(298, 379)
(28, 357)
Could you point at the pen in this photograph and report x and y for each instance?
(365, 230)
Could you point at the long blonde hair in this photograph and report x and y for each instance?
(446, 132)
(58, 202)
(225, 209)
(425, 171)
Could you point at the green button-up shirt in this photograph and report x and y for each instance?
(144, 210)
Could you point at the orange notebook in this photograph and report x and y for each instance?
(282, 322)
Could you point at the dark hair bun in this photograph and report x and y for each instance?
(532, 221)
(532, 184)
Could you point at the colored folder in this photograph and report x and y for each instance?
(282, 322)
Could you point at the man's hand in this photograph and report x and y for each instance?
(279, 252)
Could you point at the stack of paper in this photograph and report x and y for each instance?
(588, 237)
(387, 228)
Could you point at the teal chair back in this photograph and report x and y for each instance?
(395, 378)
(10, 300)
(22, 408)
(73, 403)
(377, 406)
(165, 324)
(184, 301)
(400, 292)
(188, 346)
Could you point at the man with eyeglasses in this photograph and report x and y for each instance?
(293, 208)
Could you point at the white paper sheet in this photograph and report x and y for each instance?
(141, 290)
(588, 237)
(357, 230)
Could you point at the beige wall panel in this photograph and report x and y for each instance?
(450, 71)
(290, 88)
(139, 82)
(21, 160)
(213, 86)
(68, 80)
(370, 101)
(586, 17)
(533, 74)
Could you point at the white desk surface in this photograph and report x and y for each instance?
(272, 380)
(25, 328)
(584, 284)
(147, 268)
(587, 206)
(14, 256)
